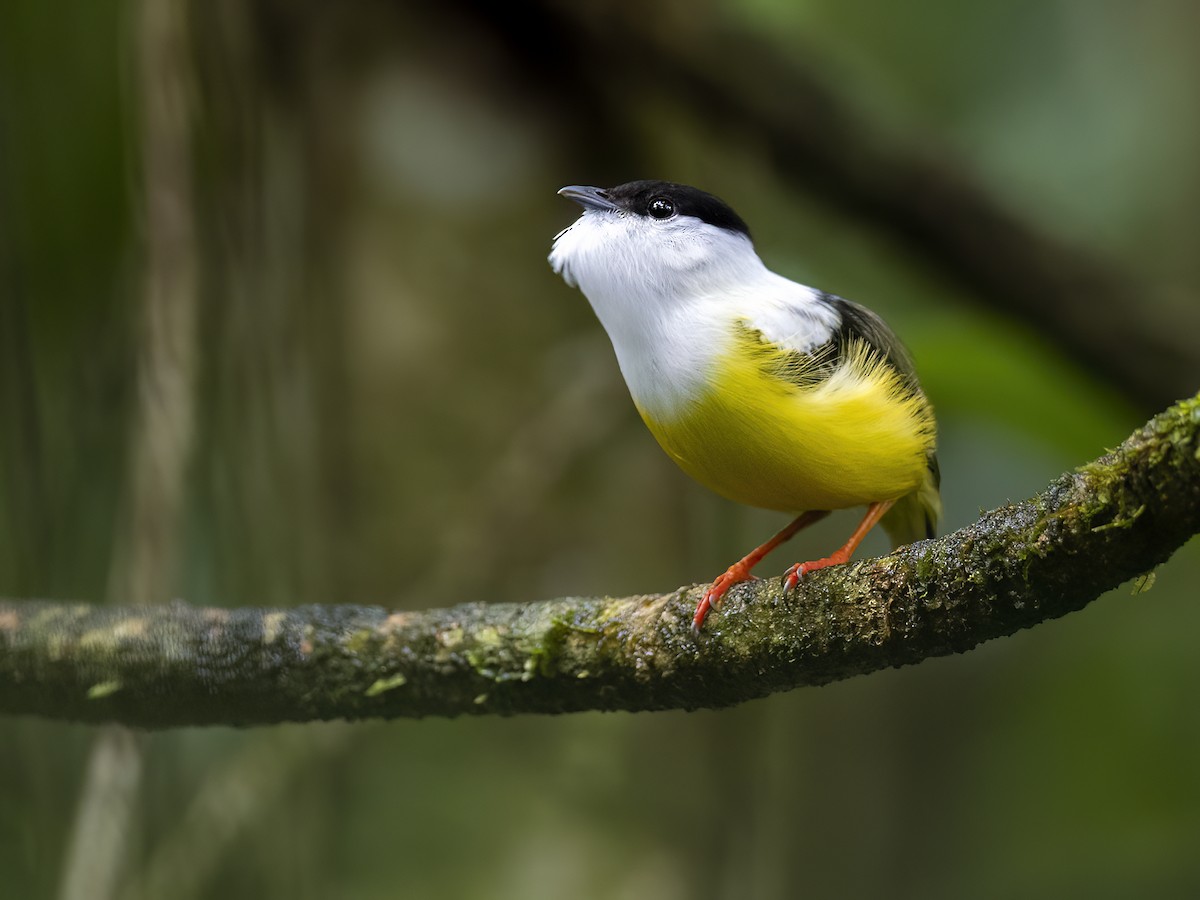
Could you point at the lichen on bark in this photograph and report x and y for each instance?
(1087, 532)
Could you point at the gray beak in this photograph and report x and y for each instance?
(588, 197)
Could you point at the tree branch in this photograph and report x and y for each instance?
(1020, 564)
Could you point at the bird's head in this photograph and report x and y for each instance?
(651, 242)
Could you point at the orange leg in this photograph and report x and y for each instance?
(740, 570)
(875, 512)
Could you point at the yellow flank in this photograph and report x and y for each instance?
(767, 433)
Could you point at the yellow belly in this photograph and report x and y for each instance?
(857, 437)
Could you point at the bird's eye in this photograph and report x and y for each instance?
(661, 208)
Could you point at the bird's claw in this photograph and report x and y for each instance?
(715, 594)
(791, 578)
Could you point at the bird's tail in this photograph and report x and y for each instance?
(915, 516)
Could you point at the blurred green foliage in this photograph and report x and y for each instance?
(398, 403)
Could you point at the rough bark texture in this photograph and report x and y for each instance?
(1090, 530)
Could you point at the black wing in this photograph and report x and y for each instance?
(859, 323)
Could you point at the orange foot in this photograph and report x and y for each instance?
(735, 574)
(792, 576)
(740, 570)
(875, 512)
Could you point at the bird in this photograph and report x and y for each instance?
(768, 392)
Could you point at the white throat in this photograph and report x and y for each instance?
(671, 294)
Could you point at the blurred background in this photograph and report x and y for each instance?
(276, 327)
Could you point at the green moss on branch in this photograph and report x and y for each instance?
(157, 667)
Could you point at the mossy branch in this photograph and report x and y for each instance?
(1020, 564)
